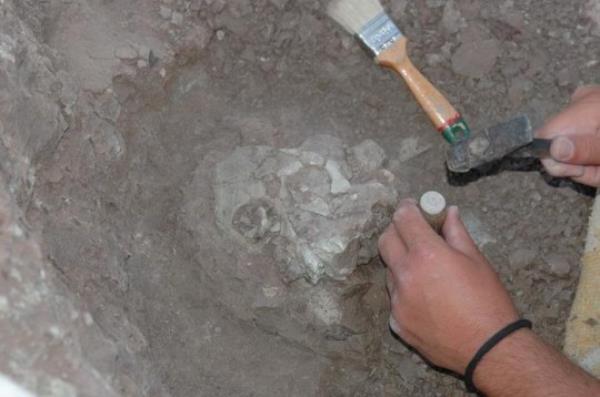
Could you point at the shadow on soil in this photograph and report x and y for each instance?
(528, 164)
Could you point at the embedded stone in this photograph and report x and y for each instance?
(301, 205)
(366, 157)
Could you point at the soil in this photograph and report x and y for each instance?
(166, 89)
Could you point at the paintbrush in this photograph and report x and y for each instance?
(368, 21)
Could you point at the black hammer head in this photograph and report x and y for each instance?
(491, 144)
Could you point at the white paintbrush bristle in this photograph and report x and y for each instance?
(353, 15)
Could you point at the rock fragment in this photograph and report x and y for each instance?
(165, 12)
(339, 184)
(410, 148)
(522, 257)
(452, 19)
(477, 229)
(144, 52)
(558, 265)
(567, 76)
(126, 52)
(176, 18)
(366, 157)
(476, 59)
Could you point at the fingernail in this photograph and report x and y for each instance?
(550, 164)
(562, 149)
(553, 166)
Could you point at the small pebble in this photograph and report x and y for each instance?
(347, 42)
(522, 257)
(3, 304)
(177, 18)
(452, 19)
(144, 52)
(476, 58)
(87, 319)
(126, 53)
(567, 76)
(558, 265)
(165, 12)
(536, 196)
(434, 59)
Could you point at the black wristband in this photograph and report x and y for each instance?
(487, 346)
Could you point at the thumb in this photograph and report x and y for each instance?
(457, 236)
(577, 149)
(585, 91)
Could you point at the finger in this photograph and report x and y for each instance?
(412, 227)
(584, 91)
(590, 177)
(577, 149)
(457, 236)
(580, 117)
(563, 170)
(391, 247)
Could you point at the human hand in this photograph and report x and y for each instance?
(446, 299)
(575, 150)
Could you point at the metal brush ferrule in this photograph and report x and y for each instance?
(379, 33)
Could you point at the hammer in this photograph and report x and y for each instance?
(513, 137)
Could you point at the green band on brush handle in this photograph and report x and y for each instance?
(456, 131)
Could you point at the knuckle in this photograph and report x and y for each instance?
(584, 150)
(422, 252)
(398, 266)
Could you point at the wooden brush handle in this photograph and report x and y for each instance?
(443, 115)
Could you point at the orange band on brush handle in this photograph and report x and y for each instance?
(443, 115)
